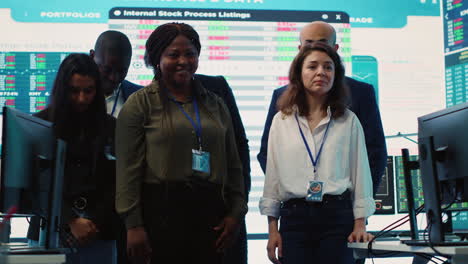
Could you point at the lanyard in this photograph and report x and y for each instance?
(314, 162)
(115, 101)
(196, 126)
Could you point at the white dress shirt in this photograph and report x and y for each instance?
(110, 101)
(342, 165)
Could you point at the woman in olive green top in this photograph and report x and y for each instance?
(179, 178)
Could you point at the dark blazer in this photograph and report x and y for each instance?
(127, 88)
(219, 86)
(364, 105)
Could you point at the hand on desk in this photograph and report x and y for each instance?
(84, 230)
(359, 233)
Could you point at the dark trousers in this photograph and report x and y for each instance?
(121, 245)
(179, 220)
(316, 232)
(237, 254)
(97, 252)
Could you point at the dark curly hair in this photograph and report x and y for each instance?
(162, 37)
(295, 94)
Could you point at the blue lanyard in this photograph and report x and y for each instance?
(196, 126)
(115, 101)
(314, 162)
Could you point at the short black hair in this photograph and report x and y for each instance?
(113, 42)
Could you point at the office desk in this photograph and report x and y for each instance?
(33, 259)
(19, 253)
(459, 254)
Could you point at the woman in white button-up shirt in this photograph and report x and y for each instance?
(317, 180)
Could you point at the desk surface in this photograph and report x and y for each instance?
(26, 256)
(397, 246)
(33, 259)
(459, 254)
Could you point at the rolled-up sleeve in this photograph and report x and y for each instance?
(270, 203)
(363, 201)
(130, 152)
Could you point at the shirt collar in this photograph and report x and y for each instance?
(155, 87)
(114, 93)
(324, 121)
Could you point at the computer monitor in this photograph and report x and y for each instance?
(443, 155)
(460, 223)
(32, 170)
(385, 197)
(401, 193)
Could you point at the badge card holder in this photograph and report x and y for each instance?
(315, 191)
(200, 161)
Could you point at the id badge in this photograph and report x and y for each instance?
(108, 153)
(200, 161)
(315, 191)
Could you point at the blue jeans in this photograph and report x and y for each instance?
(316, 232)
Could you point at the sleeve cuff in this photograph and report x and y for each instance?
(134, 218)
(239, 212)
(269, 207)
(363, 207)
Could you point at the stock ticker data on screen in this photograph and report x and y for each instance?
(402, 201)
(455, 13)
(26, 79)
(456, 78)
(401, 197)
(460, 222)
(455, 24)
(249, 47)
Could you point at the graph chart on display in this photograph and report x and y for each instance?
(26, 78)
(385, 195)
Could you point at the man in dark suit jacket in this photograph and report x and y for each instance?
(113, 53)
(237, 254)
(363, 104)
